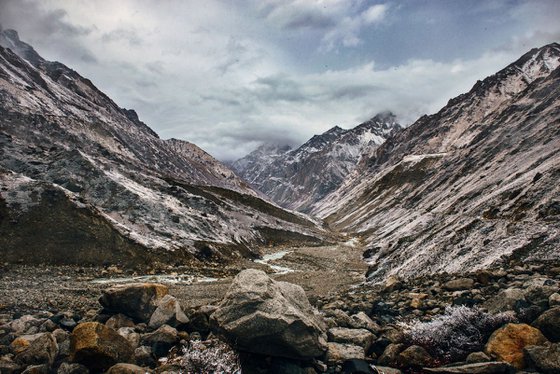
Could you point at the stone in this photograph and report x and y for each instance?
(341, 318)
(393, 283)
(493, 367)
(119, 320)
(477, 357)
(168, 312)
(35, 349)
(507, 343)
(67, 324)
(356, 366)
(127, 369)
(144, 356)
(8, 366)
(549, 324)
(545, 358)
(554, 300)
(390, 355)
(414, 356)
(263, 316)
(459, 284)
(386, 370)
(505, 300)
(360, 337)
(164, 334)
(68, 368)
(129, 334)
(25, 324)
(137, 301)
(98, 347)
(363, 321)
(539, 290)
(337, 353)
(36, 369)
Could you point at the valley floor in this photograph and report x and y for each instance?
(321, 271)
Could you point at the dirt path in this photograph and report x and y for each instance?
(319, 270)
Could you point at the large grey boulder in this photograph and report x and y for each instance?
(168, 312)
(262, 316)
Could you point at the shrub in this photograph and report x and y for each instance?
(208, 357)
(456, 333)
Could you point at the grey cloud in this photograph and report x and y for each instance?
(130, 36)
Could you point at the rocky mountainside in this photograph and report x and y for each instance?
(84, 180)
(473, 185)
(298, 178)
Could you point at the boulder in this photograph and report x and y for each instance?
(477, 357)
(8, 366)
(144, 356)
(127, 369)
(390, 355)
(168, 312)
(459, 284)
(129, 334)
(545, 358)
(26, 324)
(414, 356)
(504, 301)
(137, 300)
(161, 340)
(554, 300)
(360, 337)
(119, 320)
(98, 347)
(362, 321)
(68, 368)
(337, 353)
(492, 367)
(37, 369)
(356, 366)
(272, 318)
(35, 349)
(549, 324)
(507, 343)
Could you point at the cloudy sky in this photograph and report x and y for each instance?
(230, 75)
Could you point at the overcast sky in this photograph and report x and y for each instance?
(230, 75)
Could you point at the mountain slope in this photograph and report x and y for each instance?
(472, 185)
(298, 178)
(66, 144)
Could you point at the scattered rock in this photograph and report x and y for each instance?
(545, 358)
(98, 347)
(507, 343)
(355, 366)
(129, 334)
(459, 284)
(127, 369)
(144, 356)
(504, 301)
(361, 337)
(168, 312)
(386, 370)
(493, 367)
(164, 334)
(119, 320)
(35, 349)
(414, 356)
(363, 321)
(554, 300)
(477, 357)
(26, 324)
(393, 283)
(549, 324)
(390, 355)
(338, 352)
(68, 368)
(273, 318)
(137, 300)
(36, 369)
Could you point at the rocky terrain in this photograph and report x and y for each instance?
(296, 179)
(84, 181)
(468, 187)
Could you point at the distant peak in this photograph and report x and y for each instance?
(335, 130)
(385, 116)
(10, 39)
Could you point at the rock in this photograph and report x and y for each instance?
(507, 343)
(200, 319)
(459, 284)
(337, 353)
(37, 369)
(414, 356)
(504, 301)
(262, 316)
(98, 347)
(8, 366)
(26, 324)
(477, 357)
(360, 337)
(144, 356)
(362, 321)
(68, 324)
(164, 334)
(355, 366)
(119, 320)
(168, 312)
(386, 370)
(554, 300)
(129, 334)
(539, 290)
(493, 367)
(35, 349)
(545, 358)
(67, 368)
(341, 318)
(138, 300)
(390, 355)
(393, 283)
(549, 324)
(127, 369)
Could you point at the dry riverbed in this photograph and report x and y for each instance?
(321, 271)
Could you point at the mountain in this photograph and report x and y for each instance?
(298, 178)
(83, 180)
(473, 185)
